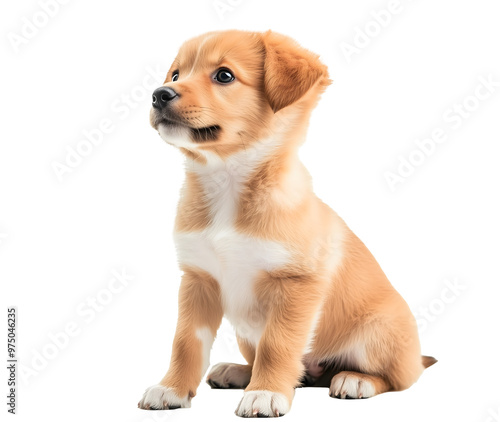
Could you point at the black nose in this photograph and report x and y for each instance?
(162, 96)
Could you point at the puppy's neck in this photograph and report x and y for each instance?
(263, 174)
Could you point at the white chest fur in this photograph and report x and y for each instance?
(234, 260)
(231, 258)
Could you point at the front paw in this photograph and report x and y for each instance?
(262, 403)
(159, 397)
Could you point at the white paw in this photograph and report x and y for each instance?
(229, 375)
(351, 386)
(158, 397)
(262, 403)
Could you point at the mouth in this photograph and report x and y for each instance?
(204, 134)
(198, 134)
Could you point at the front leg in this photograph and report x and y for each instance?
(200, 314)
(291, 306)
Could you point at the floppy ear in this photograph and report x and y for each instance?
(289, 70)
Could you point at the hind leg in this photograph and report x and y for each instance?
(233, 375)
(383, 356)
(401, 371)
(229, 375)
(355, 385)
(389, 363)
(383, 369)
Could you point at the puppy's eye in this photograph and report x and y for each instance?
(224, 76)
(175, 76)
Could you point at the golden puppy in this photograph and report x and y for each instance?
(307, 300)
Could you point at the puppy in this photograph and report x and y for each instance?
(308, 302)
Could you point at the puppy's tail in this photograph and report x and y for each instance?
(428, 361)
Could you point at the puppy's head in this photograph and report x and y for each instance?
(224, 89)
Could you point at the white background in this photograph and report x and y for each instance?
(62, 239)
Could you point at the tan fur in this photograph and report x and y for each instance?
(199, 306)
(192, 212)
(331, 308)
(246, 350)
